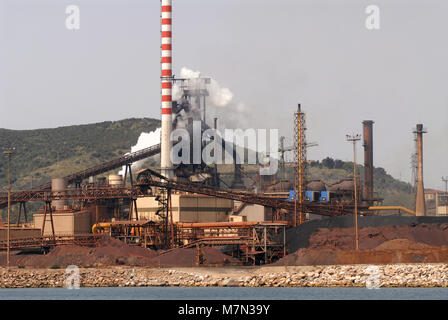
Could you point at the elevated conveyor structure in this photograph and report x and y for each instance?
(77, 177)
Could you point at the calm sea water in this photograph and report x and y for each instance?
(216, 293)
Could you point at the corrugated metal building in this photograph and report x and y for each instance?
(188, 208)
(67, 222)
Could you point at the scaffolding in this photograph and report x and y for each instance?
(300, 164)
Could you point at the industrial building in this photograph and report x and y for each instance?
(190, 204)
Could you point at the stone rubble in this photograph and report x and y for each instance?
(396, 275)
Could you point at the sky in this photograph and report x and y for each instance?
(271, 54)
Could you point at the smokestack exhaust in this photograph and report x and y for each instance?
(368, 160)
(420, 207)
(166, 79)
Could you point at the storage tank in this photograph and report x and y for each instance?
(59, 184)
(116, 180)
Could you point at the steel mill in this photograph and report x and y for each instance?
(195, 204)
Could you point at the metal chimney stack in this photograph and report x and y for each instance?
(166, 78)
(368, 160)
(420, 208)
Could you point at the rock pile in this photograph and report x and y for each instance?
(398, 275)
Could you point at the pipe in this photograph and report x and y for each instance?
(420, 208)
(166, 79)
(215, 224)
(368, 160)
(100, 225)
(392, 208)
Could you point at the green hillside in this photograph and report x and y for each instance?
(43, 154)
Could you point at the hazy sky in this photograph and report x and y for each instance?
(272, 54)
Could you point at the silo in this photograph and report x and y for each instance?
(59, 185)
(116, 180)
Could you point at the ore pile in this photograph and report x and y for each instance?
(413, 243)
(187, 257)
(113, 252)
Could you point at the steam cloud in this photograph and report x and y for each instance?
(145, 140)
(220, 102)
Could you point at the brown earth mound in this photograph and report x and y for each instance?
(108, 252)
(186, 257)
(303, 257)
(378, 245)
(371, 237)
(403, 244)
(113, 252)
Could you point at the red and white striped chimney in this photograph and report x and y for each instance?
(166, 77)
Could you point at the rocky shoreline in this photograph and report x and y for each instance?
(395, 275)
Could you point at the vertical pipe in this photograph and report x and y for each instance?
(437, 203)
(9, 213)
(356, 197)
(265, 245)
(166, 80)
(171, 218)
(215, 126)
(368, 160)
(420, 208)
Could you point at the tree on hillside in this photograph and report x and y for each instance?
(328, 162)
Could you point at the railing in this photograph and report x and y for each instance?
(46, 241)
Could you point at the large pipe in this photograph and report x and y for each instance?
(420, 207)
(374, 208)
(368, 160)
(166, 79)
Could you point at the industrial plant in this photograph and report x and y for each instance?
(190, 204)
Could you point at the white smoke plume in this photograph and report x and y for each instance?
(145, 140)
(220, 102)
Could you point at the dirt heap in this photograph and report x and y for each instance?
(113, 252)
(371, 237)
(186, 257)
(107, 252)
(378, 245)
(403, 244)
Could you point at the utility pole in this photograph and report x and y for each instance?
(9, 152)
(354, 139)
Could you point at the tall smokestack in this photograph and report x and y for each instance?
(420, 208)
(368, 160)
(166, 78)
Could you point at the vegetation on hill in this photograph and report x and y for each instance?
(43, 154)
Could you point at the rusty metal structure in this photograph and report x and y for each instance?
(46, 242)
(77, 177)
(368, 161)
(420, 206)
(300, 164)
(153, 179)
(251, 242)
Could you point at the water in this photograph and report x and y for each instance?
(223, 293)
